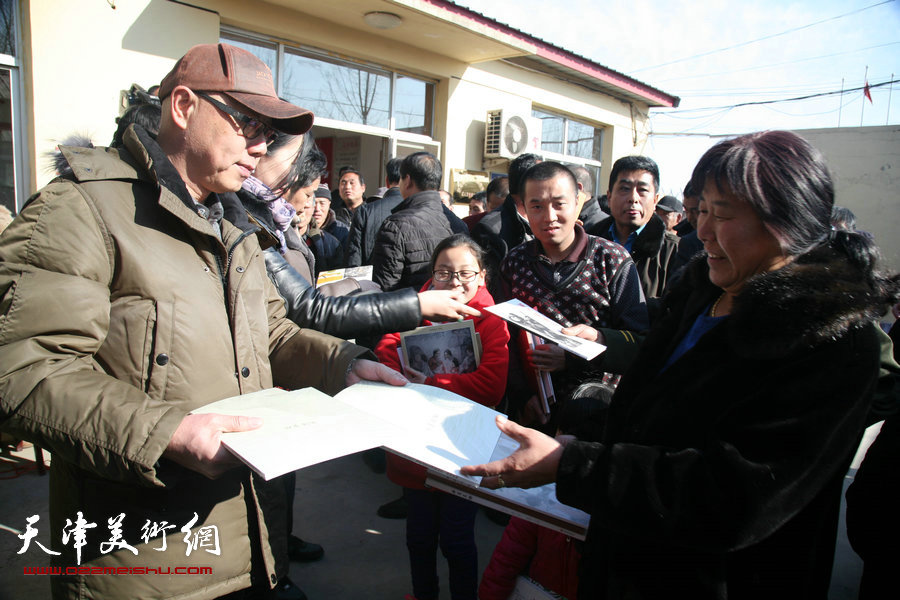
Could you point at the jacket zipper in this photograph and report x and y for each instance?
(223, 271)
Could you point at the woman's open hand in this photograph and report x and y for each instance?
(532, 465)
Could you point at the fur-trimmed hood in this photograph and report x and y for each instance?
(819, 296)
(56, 161)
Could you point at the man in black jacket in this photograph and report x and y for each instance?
(403, 248)
(689, 243)
(367, 219)
(590, 214)
(633, 195)
(351, 189)
(324, 219)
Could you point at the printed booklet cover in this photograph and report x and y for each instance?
(519, 313)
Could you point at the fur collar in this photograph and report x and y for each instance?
(820, 296)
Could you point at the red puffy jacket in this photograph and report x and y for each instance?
(551, 558)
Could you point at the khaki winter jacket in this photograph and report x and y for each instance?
(121, 311)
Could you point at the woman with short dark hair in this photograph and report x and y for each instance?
(721, 467)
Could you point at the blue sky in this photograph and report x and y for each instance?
(639, 37)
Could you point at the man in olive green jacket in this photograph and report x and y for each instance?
(126, 302)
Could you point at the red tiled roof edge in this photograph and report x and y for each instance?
(563, 57)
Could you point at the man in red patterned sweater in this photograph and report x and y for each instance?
(573, 278)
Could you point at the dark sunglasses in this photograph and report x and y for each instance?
(251, 127)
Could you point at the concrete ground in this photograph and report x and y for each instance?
(365, 555)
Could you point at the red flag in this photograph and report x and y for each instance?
(867, 93)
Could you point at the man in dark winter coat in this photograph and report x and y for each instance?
(324, 219)
(408, 237)
(689, 244)
(496, 192)
(152, 280)
(351, 188)
(590, 213)
(326, 248)
(633, 194)
(367, 219)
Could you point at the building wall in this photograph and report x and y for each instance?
(865, 165)
(84, 54)
(488, 86)
(80, 55)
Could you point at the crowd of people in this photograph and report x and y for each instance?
(708, 442)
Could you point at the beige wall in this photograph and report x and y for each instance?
(82, 54)
(865, 165)
(74, 84)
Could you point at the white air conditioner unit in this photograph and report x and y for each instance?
(507, 135)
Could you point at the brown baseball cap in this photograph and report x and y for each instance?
(242, 77)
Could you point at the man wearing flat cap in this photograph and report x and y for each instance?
(669, 209)
(128, 302)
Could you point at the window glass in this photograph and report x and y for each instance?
(343, 91)
(412, 105)
(565, 136)
(7, 27)
(552, 131)
(581, 141)
(7, 164)
(337, 91)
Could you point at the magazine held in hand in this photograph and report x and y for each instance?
(519, 313)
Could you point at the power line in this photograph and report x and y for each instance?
(767, 37)
(769, 66)
(807, 97)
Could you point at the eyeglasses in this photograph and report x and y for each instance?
(251, 127)
(463, 276)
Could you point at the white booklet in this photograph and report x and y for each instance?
(519, 313)
(426, 424)
(538, 505)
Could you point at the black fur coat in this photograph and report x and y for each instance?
(720, 477)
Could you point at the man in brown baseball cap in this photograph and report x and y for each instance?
(219, 113)
(241, 76)
(136, 304)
